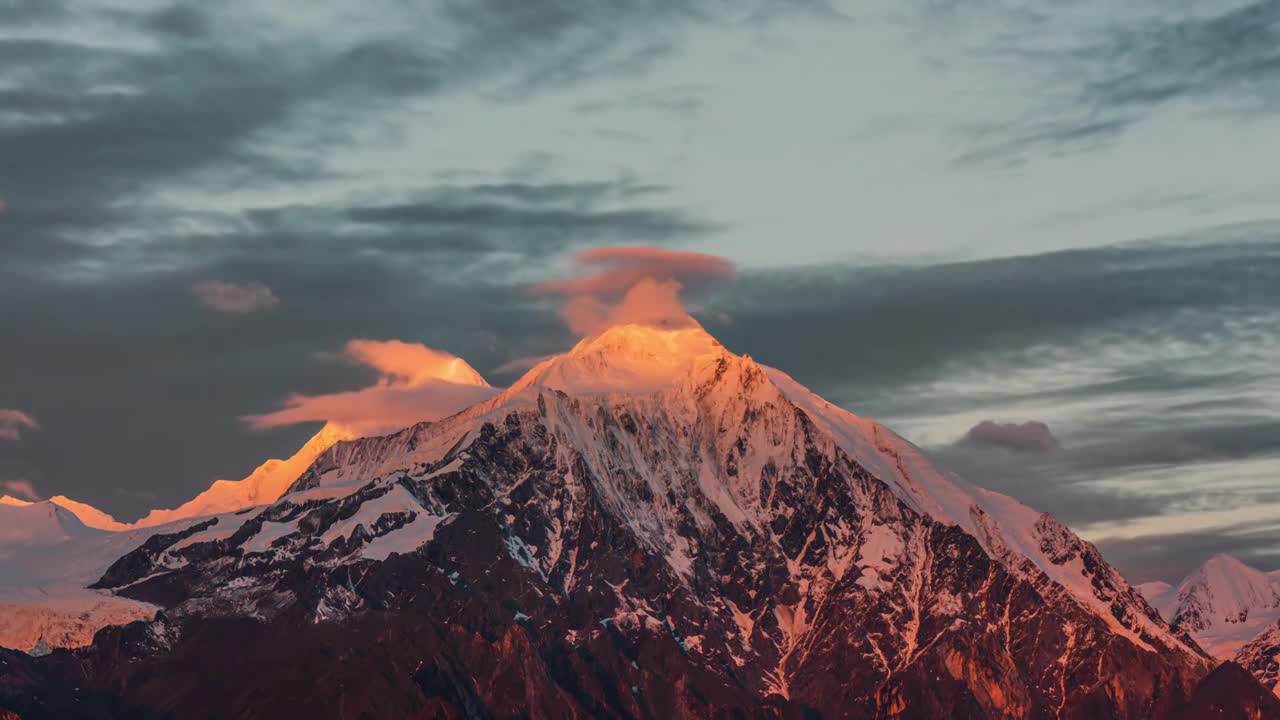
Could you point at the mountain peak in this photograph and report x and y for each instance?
(1227, 576)
(1223, 603)
(39, 523)
(628, 358)
(264, 485)
(88, 514)
(1225, 562)
(648, 340)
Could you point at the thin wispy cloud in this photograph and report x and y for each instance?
(13, 422)
(238, 298)
(20, 489)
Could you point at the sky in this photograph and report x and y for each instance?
(1055, 219)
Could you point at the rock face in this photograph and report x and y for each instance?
(1231, 693)
(1261, 656)
(647, 527)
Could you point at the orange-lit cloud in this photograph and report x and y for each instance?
(416, 383)
(648, 302)
(12, 423)
(235, 298)
(411, 364)
(20, 489)
(633, 284)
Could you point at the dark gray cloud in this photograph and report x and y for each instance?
(1097, 73)
(1172, 557)
(862, 332)
(1030, 436)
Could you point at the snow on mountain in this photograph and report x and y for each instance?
(47, 557)
(39, 523)
(261, 487)
(51, 550)
(264, 485)
(1224, 604)
(1152, 590)
(86, 514)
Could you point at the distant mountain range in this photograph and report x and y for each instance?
(1231, 609)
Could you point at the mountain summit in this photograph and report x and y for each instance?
(1231, 609)
(648, 525)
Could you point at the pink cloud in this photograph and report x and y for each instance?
(21, 489)
(632, 284)
(12, 422)
(521, 364)
(1030, 436)
(614, 270)
(411, 364)
(416, 383)
(235, 298)
(375, 410)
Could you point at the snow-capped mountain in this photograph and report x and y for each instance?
(1224, 604)
(645, 526)
(264, 485)
(38, 523)
(51, 550)
(48, 557)
(86, 514)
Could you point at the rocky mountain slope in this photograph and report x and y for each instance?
(1261, 656)
(646, 526)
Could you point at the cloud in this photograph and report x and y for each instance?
(1099, 74)
(632, 284)
(1030, 436)
(615, 270)
(415, 383)
(405, 364)
(648, 302)
(520, 365)
(21, 489)
(235, 298)
(12, 422)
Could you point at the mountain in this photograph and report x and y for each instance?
(264, 485)
(1231, 693)
(645, 526)
(1261, 656)
(48, 556)
(51, 550)
(1223, 604)
(86, 514)
(38, 523)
